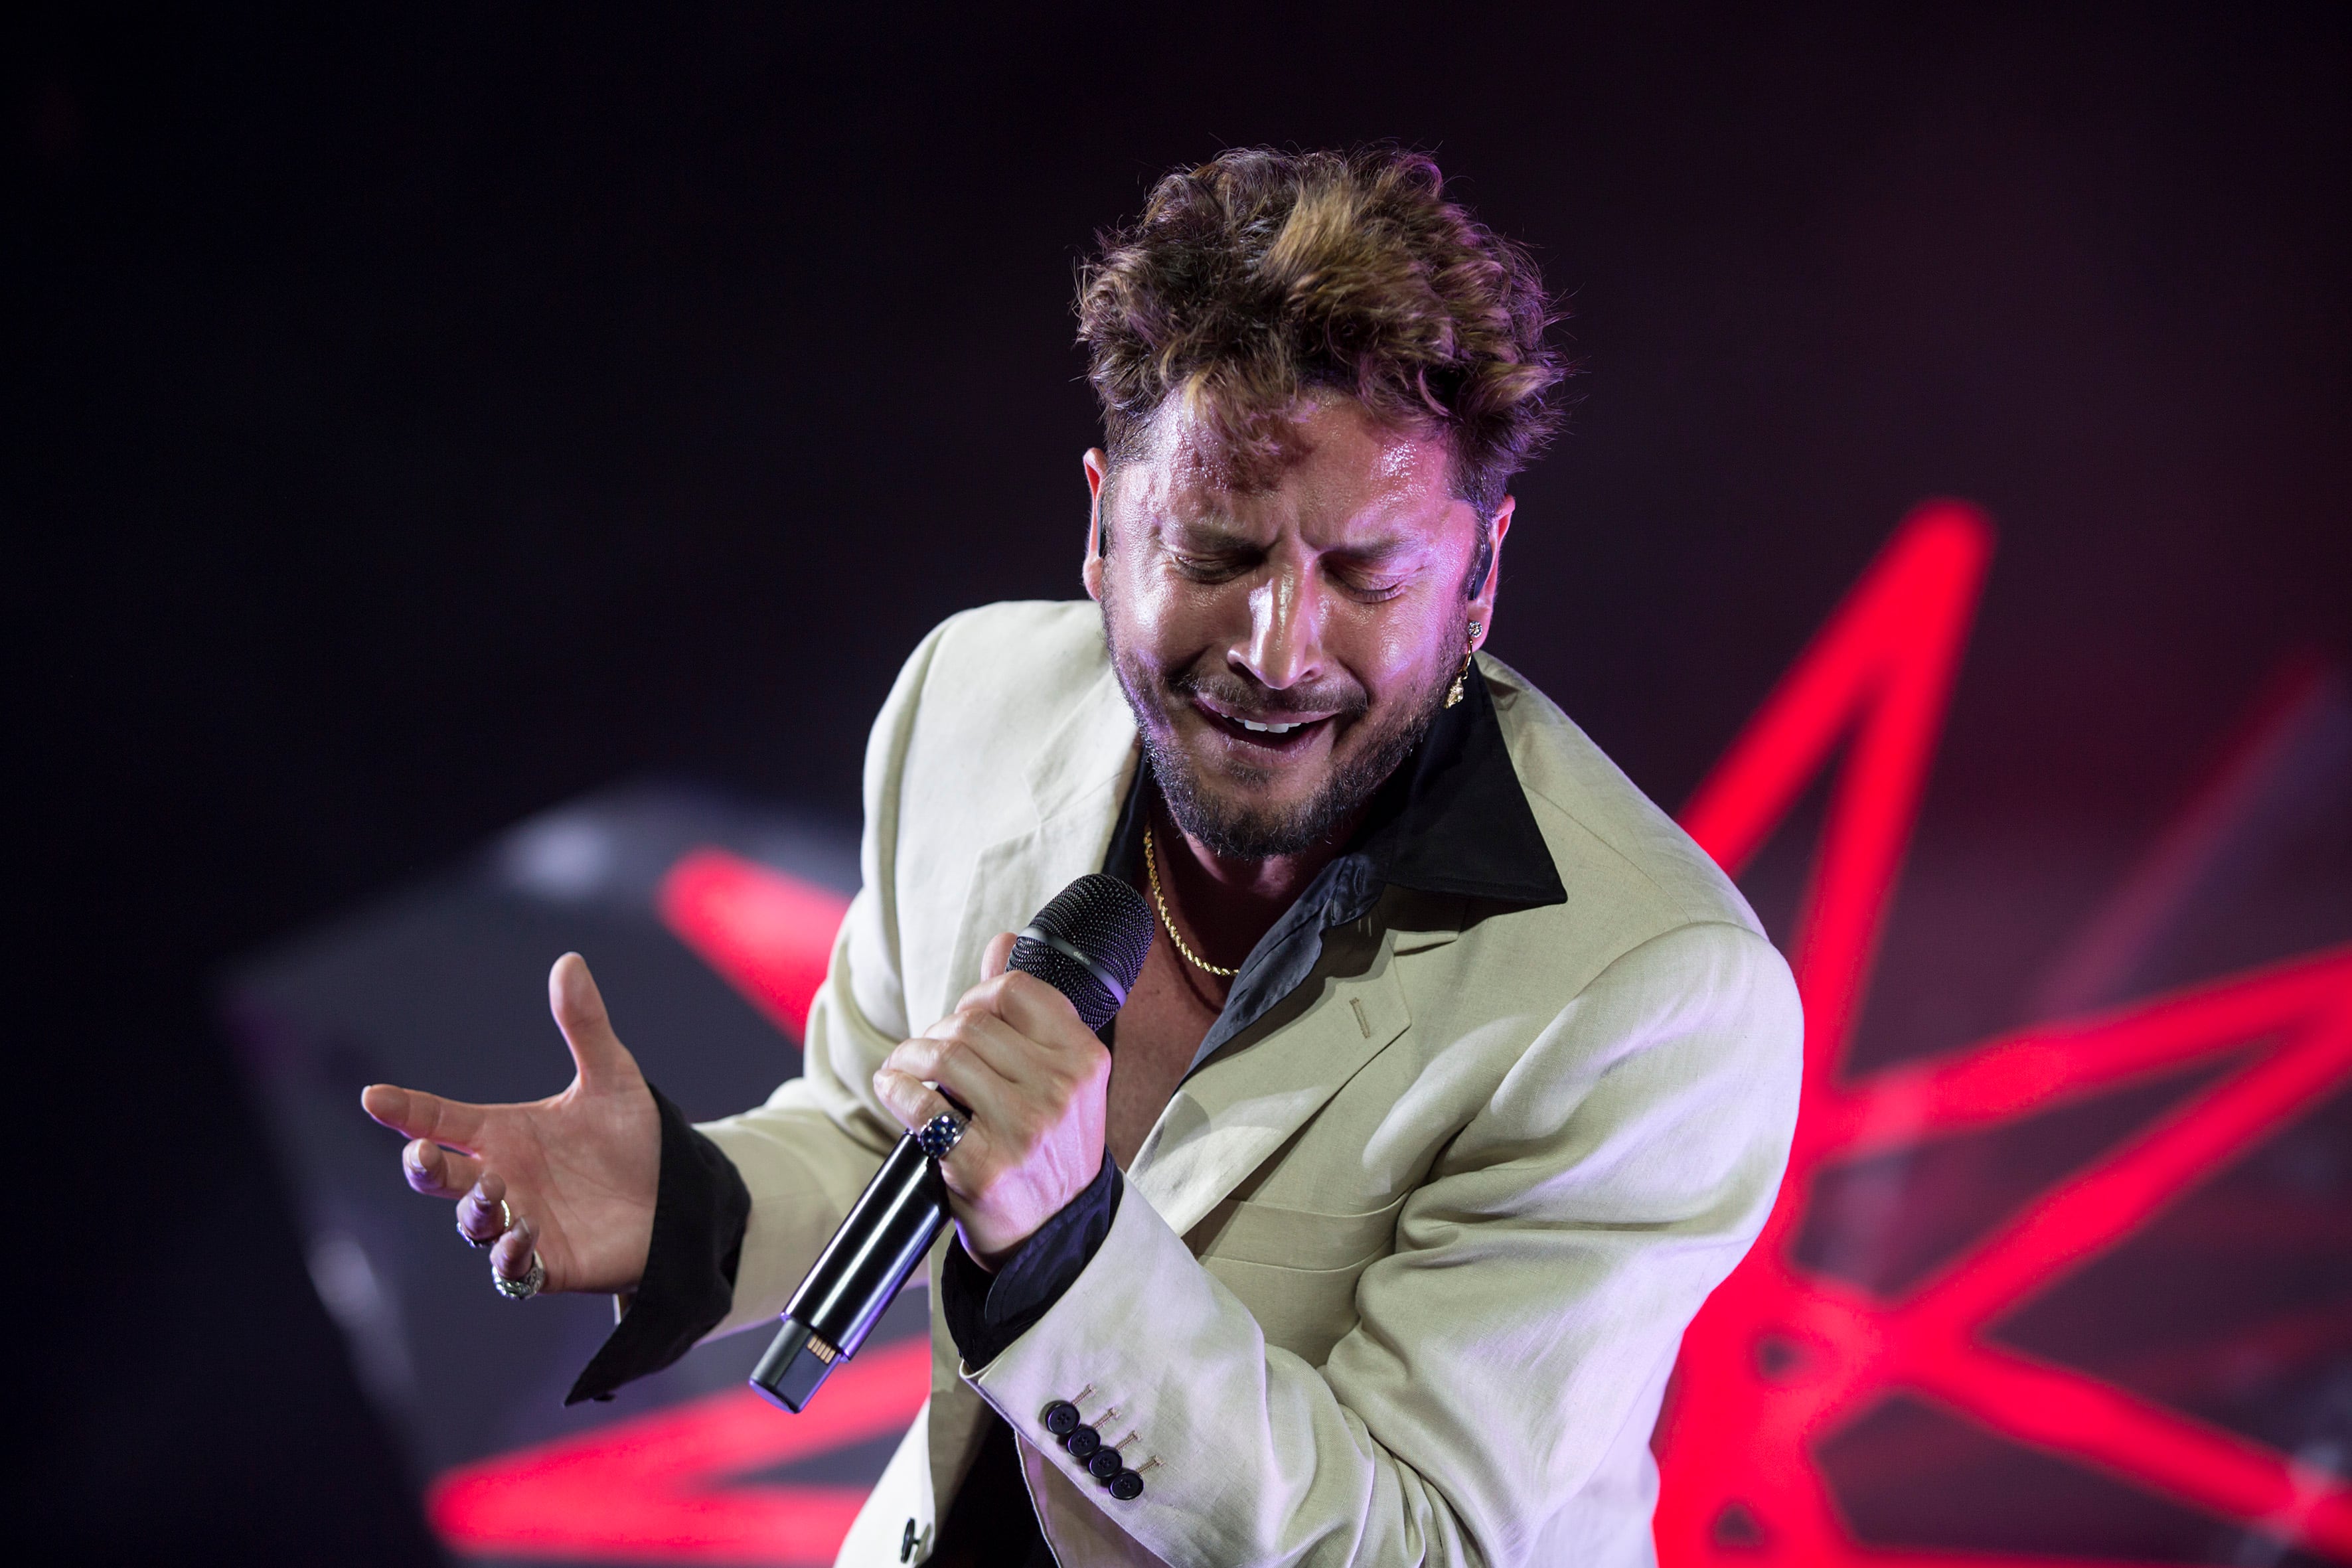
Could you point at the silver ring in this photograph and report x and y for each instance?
(524, 1289)
(939, 1135)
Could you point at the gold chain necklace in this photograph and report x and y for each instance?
(1151, 870)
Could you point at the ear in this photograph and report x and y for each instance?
(1096, 463)
(1481, 603)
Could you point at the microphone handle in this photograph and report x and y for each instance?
(888, 1229)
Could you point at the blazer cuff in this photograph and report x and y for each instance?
(701, 1209)
(1119, 1347)
(985, 1313)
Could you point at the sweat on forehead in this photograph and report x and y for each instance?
(1325, 440)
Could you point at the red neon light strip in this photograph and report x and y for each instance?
(657, 1487)
(2120, 1194)
(2064, 1412)
(2038, 1068)
(769, 933)
(1910, 608)
(1881, 669)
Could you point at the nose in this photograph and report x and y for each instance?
(1286, 643)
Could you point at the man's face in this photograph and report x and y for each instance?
(1284, 645)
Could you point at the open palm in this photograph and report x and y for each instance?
(572, 1177)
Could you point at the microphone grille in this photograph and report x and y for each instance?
(1103, 918)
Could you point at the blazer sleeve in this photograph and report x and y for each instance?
(807, 1154)
(1543, 1275)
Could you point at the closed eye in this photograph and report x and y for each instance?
(1211, 568)
(1373, 591)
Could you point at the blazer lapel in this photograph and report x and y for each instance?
(1077, 782)
(1244, 1102)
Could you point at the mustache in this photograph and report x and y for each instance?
(1256, 702)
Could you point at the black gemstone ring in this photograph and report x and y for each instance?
(938, 1135)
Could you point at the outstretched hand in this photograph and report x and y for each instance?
(571, 1177)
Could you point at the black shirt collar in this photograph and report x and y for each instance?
(1453, 819)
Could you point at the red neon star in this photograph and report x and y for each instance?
(1738, 1453)
(1782, 1356)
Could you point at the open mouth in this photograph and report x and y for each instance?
(1268, 735)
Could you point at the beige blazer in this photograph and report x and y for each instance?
(1399, 1273)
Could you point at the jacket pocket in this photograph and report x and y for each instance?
(1302, 1310)
(1301, 1239)
(1294, 1269)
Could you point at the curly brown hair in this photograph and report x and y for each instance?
(1261, 277)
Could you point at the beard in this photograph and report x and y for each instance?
(1223, 820)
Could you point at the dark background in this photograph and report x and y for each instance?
(418, 418)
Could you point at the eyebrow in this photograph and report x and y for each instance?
(1208, 535)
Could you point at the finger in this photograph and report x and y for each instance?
(1032, 1007)
(1003, 1048)
(910, 1100)
(422, 1115)
(961, 1071)
(437, 1172)
(579, 1009)
(511, 1256)
(997, 955)
(482, 1213)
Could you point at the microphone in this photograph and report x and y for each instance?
(1088, 943)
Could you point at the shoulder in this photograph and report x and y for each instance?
(1020, 653)
(1614, 848)
(1038, 631)
(983, 699)
(998, 671)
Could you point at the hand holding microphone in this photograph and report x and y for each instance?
(1024, 1072)
(1028, 1081)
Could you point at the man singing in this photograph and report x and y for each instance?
(1456, 1078)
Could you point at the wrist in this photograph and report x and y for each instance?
(990, 1248)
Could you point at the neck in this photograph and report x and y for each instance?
(1232, 902)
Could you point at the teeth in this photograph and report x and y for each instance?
(1270, 729)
